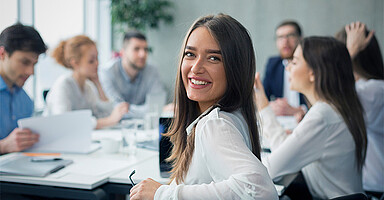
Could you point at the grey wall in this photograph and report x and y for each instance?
(260, 17)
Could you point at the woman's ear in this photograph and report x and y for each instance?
(311, 76)
(73, 63)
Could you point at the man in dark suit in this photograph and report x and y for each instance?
(283, 100)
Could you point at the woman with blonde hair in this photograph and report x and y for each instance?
(81, 89)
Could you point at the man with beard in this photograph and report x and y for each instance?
(276, 80)
(20, 47)
(130, 78)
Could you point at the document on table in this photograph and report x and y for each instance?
(32, 166)
(98, 166)
(65, 133)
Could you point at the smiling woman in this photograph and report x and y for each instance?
(203, 69)
(216, 152)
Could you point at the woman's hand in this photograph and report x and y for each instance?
(260, 97)
(118, 112)
(95, 79)
(144, 190)
(356, 39)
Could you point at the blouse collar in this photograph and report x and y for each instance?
(194, 123)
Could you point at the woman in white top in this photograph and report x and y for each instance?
(368, 69)
(216, 150)
(81, 89)
(329, 144)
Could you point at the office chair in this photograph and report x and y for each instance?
(357, 196)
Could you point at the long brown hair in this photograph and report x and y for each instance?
(331, 64)
(239, 64)
(368, 63)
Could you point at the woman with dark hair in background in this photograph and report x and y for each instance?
(368, 69)
(329, 144)
(216, 150)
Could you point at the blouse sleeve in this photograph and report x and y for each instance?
(291, 153)
(271, 128)
(59, 100)
(236, 172)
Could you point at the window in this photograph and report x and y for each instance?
(8, 13)
(58, 20)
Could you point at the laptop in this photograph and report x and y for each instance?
(165, 147)
(70, 132)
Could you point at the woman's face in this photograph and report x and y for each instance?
(89, 61)
(301, 77)
(202, 69)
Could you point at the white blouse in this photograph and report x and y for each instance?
(371, 94)
(222, 166)
(65, 95)
(321, 146)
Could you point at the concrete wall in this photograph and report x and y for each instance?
(260, 17)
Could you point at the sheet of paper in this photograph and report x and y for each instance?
(98, 166)
(66, 133)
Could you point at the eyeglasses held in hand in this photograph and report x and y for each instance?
(130, 177)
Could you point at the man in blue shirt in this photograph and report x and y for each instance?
(20, 47)
(129, 78)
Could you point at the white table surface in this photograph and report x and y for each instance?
(87, 171)
(146, 169)
(150, 169)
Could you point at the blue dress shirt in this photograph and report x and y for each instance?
(14, 105)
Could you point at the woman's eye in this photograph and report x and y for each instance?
(188, 54)
(214, 58)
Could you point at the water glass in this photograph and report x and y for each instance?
(129, 133)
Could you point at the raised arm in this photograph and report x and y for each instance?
(356, 37)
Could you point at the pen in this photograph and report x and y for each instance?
(44, 159)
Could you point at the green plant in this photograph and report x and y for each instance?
(140, 14)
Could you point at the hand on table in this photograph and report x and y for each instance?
(144, 190)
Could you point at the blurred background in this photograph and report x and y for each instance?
(57, 20)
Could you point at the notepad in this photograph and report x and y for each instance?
(25, 166)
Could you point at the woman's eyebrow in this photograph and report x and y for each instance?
(216, 51)
(213, 51)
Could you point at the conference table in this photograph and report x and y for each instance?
(97, 175)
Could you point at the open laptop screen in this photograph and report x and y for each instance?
(165, 147)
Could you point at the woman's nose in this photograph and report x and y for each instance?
(198, 66)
